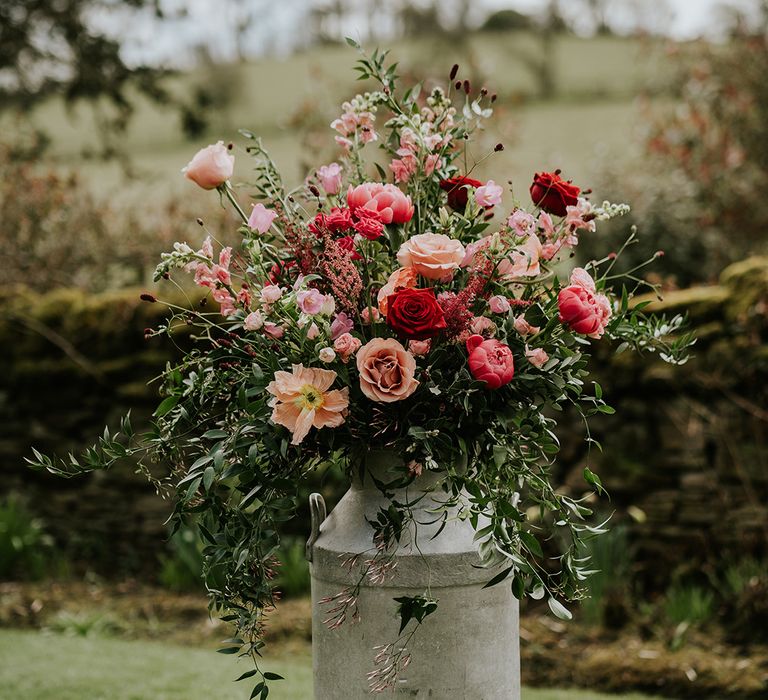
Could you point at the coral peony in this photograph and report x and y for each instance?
(302, 400)
(385, 202)
(490, 361)
(386, 370)
(581, 308)
(402, 278)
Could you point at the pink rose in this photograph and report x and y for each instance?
(489, 194)
(581, 308)
(524, 328)
(537, 357)
(211, 166)
(433, 255)
(310, 301)
(253, 321)
(499, 304)
(261, 218)
(346, 345)
(271, 293)
(385, 202)
(330, 177)
(386, 370)
(490, 361)
(340, 325)
(420, 347)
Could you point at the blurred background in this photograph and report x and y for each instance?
(660, 103)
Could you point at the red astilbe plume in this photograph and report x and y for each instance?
(299, 239)
(338, 268)
(457, 308)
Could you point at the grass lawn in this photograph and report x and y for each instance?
(37, 666)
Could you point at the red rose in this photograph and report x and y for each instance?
(348, 243)
(415, 313)
(490, 361)
(456, 187)
(369, 227)
(553, 194)
(337, 221)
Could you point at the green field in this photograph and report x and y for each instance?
(36, 666)
(594, 117)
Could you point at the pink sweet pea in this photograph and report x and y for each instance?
(490, 361)
(489, 194)
(581, 308)
(310, 301)
(261, 218)
(330, 177)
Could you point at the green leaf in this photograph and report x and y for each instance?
(559, 610)
(352, 42)
(247, 674)
(166, 406)
(257, 689)
(273, 676)
(498, 578)
(531, 543)
(208, 475)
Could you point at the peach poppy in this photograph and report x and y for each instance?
(302, 400)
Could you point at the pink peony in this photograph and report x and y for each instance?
(581, 308)
(386, 202)
(310, 301)
(302, 400)
(261, 218)
(340, 325)
(386, 370)
(490, 361)
(330, 177)
(346, 345)
(499, 304)
(433, 255)
(537, 357)
(489, 194)
(211, 166)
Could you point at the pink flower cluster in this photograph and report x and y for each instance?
(356, 122)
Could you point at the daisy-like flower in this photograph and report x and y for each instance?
(302, 400)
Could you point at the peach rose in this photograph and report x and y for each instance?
(402, 278)
(211, 167)
(433, 255)
(386, 370)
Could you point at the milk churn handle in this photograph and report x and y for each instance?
(317, 514)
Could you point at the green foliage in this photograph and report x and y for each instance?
(85, 624)
(182, 569)
(26, 551)
(293, 572)
(689, 604)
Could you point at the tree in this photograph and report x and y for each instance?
(49, 48)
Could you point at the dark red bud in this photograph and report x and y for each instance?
(467, 87)
(454, 71)
(458, 84)
(483, 91)
(148, 297)
(199, 221)
(494, 97)
(498, 147)
(314, 190)
(230, 146)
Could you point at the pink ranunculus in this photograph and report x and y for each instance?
(387, 370)
(489, 194)
(433, 255)
(327, 355)
(537, 356)
(580, 306)
(310, 301)
(490, 361)
(253, 321)
(420, 347)
(271, 293)
(346, 345)
(524, 328)
(274, 330)
(499, 304)
(211, 166)
(341, 324)
(261, 218)
(330, 177)
(523, 261)
(386, 202)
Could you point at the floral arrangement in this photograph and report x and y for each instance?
(385, 303)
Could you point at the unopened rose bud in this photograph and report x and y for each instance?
(611, 256)
(558, 171)
(166, 276)
(454, 71)
(148, 297)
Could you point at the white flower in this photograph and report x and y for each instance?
(327, 355)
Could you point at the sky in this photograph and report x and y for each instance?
(279, 27)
